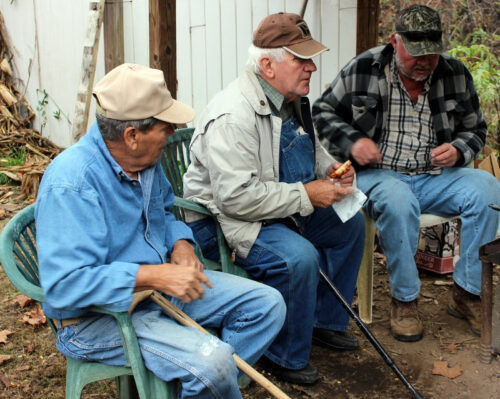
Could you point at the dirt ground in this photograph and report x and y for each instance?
(36, 369)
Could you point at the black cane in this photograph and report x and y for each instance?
(370, 336)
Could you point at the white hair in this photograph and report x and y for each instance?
(256, 53)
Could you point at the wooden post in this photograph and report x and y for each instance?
(90, 50)
(114, 53)
(162, 41)
(367, 25)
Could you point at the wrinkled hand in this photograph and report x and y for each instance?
(445, 156)
(183, 254)
(323, 193)
(346, 179)
(184, 282)
(365, 151)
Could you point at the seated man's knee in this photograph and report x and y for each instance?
(304, 259)
(275, 304)
(220, 369)
(396, 199)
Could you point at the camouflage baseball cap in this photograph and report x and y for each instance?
(420, 28)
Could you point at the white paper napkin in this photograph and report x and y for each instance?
(350, 204)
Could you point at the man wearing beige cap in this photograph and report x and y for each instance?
(258, 166)
(104, 232)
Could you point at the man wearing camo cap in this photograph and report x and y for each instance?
(408, 116)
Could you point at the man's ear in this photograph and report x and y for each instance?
(394, 41)
(131, 137)
(266, 67)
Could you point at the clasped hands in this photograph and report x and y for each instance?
(365, 151)
(183, 277)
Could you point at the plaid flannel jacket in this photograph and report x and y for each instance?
(356, 103)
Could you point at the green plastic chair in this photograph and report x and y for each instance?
(18, 256)
(175, 161)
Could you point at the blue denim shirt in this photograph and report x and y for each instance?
(96, 225)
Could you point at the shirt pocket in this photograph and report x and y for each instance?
(364, 113)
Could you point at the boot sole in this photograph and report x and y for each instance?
(458, 315)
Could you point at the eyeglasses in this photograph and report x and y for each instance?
(417, 36)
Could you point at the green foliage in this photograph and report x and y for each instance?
(43, 101)
(16, 156)
(485, 69)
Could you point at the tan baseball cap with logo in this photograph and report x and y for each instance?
(134, 92)
(288, 31)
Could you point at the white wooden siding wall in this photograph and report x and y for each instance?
(47, 36)
(213, 37)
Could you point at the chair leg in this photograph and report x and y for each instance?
(365, 276)
(126, 388)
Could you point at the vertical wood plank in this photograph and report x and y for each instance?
(184, 61)
(275, 6)
(367, 25)
(293, 6)
(162, 40)
(243, 32)
(330, 38)
(259, 12)
(198, 54)
(114, 53)
(228, 41)
(213, 47)
(90, 50)
(347, 14)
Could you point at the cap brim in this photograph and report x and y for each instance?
(423, 47)
(308, 49)
(177, 113)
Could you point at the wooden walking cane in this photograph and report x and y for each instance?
(185, 320)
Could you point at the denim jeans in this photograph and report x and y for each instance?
(289, 262)
(396, 201)
(247, 314)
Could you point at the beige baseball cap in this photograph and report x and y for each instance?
(134, 92)
(288, 31)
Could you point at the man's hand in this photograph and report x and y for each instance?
(183, 254)
(365, 151)
(323, 193)
(445, 156)
(183, 282)
(346, 179)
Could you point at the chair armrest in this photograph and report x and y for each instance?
(191, 205)
(224, 252)
(130, 345)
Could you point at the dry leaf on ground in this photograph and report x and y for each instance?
(451, 347)
(3, 336)
(441, 368)
(22, 300)
(4, 358)
(35, 317)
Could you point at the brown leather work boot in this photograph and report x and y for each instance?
(406, 324)
(465, 305)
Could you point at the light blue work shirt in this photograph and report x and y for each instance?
(96, 225)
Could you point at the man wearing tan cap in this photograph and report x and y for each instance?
(408, 115)
(258, 166)
(104, 232)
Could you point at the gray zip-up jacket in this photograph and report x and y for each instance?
(234, 168)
